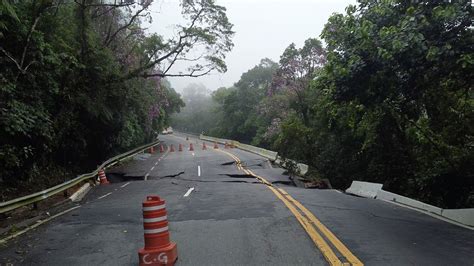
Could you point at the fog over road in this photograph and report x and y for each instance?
(220, 212)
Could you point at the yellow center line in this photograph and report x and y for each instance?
(334, 240)
(309, 223)
(313, 234)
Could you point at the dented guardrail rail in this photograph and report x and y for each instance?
(41, 195)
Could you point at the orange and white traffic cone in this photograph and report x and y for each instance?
(171, 148)
(191, 148)
(103, 178)
(152, 149)
(180, 147)
(158, 249)
(215, 145)
(204, 146)
(161, 148)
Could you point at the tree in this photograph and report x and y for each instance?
(208, 33)
(82, 80)
(407, 68)
(239, 104)
(297, 68)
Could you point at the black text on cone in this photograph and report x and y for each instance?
(158, 249)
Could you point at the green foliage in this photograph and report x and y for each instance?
(239, 106)
(74, 87)
(389, 100)
(399, 64)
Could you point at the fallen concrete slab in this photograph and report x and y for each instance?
(364, 189)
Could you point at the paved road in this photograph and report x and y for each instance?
(232, 218)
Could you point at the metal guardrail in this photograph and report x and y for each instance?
(41, 195)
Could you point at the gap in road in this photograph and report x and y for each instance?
(239, 175)
(322, 237)
(168, 176)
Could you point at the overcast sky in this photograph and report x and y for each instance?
(263, 28)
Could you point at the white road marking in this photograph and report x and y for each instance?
(189, 192)
(124, 185)
(101, 197)
(199, 170)
(156, 163)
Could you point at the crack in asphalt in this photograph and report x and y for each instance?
(239, 175)
(175, 175)
(252, 165)
(283, 182)
(217, 181)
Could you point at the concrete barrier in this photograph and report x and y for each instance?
(389, 196)
(460, 216)
(80, 193)
(302, 168)
(364, 189)
(271, 155)
(464, 216)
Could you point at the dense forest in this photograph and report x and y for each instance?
(83, 80)
(387, 99)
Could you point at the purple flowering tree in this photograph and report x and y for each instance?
(287, 91)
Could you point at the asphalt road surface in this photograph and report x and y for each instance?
(241, 211)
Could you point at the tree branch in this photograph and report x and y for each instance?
(28, 39)
(120, 4)
(191, 74)
(110, 38)
(11, 58)
(175, 50)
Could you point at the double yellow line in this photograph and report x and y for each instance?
(315, 229)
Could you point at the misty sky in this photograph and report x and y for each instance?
(264, 28)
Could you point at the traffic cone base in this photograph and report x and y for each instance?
(103, 178)
(158, 249)
(166, 255)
